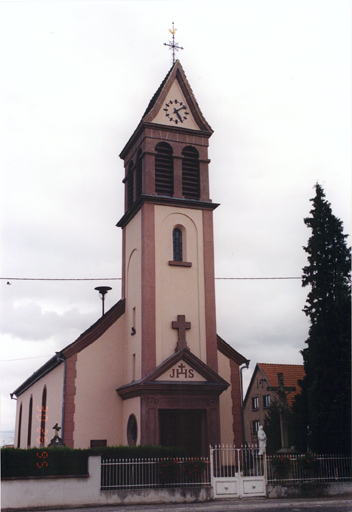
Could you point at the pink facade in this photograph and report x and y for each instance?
(152, 369)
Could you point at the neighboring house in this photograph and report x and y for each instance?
(152, 369)
(258, 399)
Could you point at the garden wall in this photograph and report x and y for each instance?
(43, 492)
(309, 490)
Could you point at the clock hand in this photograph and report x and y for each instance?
(183, 107)
(178, 115)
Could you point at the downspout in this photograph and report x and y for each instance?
(245, 365)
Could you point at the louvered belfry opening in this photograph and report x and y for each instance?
(164, 170)
(130, 185)
(190, 173)
(139, 174)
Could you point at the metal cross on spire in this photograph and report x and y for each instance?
(172, 44)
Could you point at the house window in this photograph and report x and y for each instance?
(255, 426)
(30, 413)
(190, 173)
(132, 430)
(255, 403)
(177, 244)
(266, 401)
(164, 170)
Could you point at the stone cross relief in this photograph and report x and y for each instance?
(182, 326)
(282, 392)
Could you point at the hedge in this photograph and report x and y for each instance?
(53, 461)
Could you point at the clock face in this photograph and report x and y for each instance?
(176, 111)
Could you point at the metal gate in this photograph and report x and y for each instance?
(237, 472)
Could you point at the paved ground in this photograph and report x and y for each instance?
(233, 505)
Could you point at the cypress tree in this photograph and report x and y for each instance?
(325, 404)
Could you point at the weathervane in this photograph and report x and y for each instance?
(171, 44)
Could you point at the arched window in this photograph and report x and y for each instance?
(43, 418)
(130, 185)
(190, 173)
(30, 413)
(139, 173)
(177, 244)
(132, 430)
(164, 170)
(19, 427)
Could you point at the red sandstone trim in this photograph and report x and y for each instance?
(70, 393)
(123, 284)
(96, 330)
(230, 352)
(148, 290)
(209, 291)
(180, 263)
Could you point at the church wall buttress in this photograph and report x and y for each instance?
(209, 280)
(236, 403)
(148, 289)
(226, 403)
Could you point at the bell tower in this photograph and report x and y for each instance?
(168, 264)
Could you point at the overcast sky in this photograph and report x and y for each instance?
(272, 78)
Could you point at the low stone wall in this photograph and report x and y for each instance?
(49, 492)
(309, 490)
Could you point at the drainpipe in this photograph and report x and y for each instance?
(245, 365)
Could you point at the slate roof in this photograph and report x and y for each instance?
(84, 340)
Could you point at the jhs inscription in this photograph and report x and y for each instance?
(181, 371)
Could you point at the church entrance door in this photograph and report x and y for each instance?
(184, 428)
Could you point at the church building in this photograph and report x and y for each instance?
(151, 370)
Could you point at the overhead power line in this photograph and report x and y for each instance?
(119, 278)
(22, 358)
(60, 279)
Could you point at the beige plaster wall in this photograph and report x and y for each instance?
(54, 384)
(133, 299)
(226, 418)
(100, 371)
(179, 290)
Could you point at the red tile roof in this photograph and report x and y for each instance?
(292, 374)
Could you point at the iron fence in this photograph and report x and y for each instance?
(307, 468)
(229, 461)
(153, 473)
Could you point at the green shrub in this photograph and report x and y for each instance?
(281, 465)
(309, 464)
(53, 461)
(175, 470)
(43, 462)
